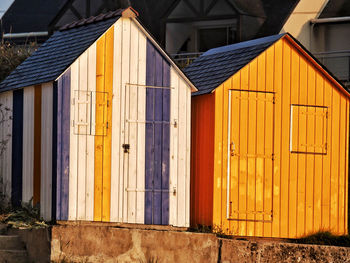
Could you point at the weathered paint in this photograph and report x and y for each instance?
(17, 144)
(202, 155)
(274, 189)
(63, 129)
(54, 150)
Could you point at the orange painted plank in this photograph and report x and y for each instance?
(107, 140)
(37, 144)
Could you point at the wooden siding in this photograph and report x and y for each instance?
(63, 128)
(202, 156)
(28, 144)
(6, 99)
(309, 190)
(46, 151)
(37, 144)
(17, 150)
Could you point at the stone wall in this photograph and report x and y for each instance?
(96, 243)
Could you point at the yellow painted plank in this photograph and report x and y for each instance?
(342, 150)
(269, 142)
(278, 137)
(294, 157)
(301, 157)
(217, 192)
(318, 158)
(285, 143)
(310, 158)
(107, 140)
(334, 184)
(100, 80)
(327, 169)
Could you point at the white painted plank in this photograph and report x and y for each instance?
(81, 136)
(90, 140)
(188, 154)
(141, 129)
(132, 126)
(28, 144)
(73, 151)
(181, 182)
(124, 108)
(116, 167)
(174, 82)
(46, 151)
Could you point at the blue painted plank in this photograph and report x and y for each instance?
(158, 115)
(166, 143)
(59, 149)
(17, 148)
(63, 126)
(157, 138)
(149, 140)
(54, 150)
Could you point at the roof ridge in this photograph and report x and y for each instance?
(244, 44)
(92, 19)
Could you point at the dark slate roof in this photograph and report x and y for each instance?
(218, 64)
(57, 53)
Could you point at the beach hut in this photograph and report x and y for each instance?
(270, 129)
(100, 126)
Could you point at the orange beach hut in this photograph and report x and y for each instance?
(270, 130)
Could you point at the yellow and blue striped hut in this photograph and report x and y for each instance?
(99, 127)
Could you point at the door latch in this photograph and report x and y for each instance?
(126, 147)
(232, 148)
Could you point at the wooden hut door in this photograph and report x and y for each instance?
(250, 155)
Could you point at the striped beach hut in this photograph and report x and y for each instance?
(99, 126)
(270, 141)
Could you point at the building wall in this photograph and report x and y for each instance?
(137, 99)
(298, 23)
(308, 191)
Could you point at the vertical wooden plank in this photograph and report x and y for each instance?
(100, 79)
(334, 174)
(117, 190)
(81, 96)
(149, 141)
(301, 157)
(28, 143)
(310, 159)
(278, 49)
(342, 150)
(64, 144)
(59, 171)
(132, 126)
(294, 99)
(107, 140)
(37, 144)
(188, 159)
(90, 140)
(125, 78)
(73, 145)
(327, 159)
(141, 116)
(165, 159)
(17, 148)
(174, 116)
(54, 150)
(319, 128)
(46, 151)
